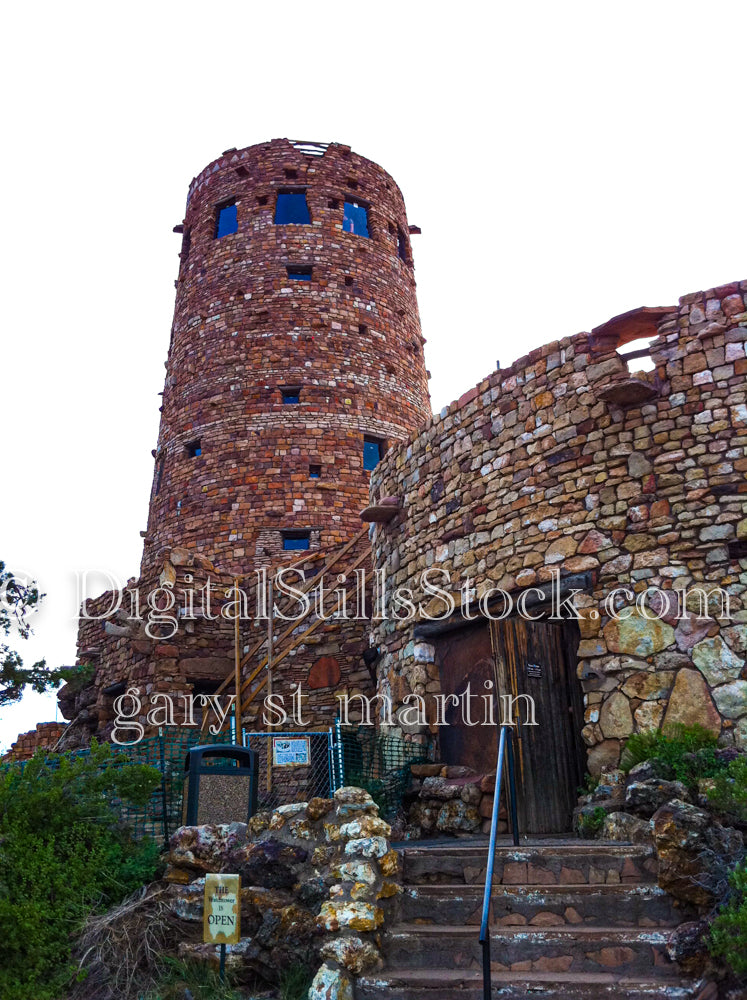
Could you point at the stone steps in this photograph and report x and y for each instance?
(556, 864)
(570, 920)
(445, 984)
(521, 949)
(608, 905)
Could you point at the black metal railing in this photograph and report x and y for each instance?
(505, 753)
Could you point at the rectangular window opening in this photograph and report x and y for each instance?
(333, 203)
(637, 355)
(348, 280)
(402, 246)
(262, 199)
(186, 244)
(296, 540)
(159, 473)
(299, 272)
(291, 209)
(291, 393)
(315, 471)
(290, 174)
(226, 219)
(363, 330)
(193, 448)
(373, 452)
(355, 218)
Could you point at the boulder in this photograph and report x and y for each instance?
(645, 797)
(695, 853)
(331, 984)
(716, 661)
(626, 828)
(457, 817)
(637, 636)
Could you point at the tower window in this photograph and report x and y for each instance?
(402, 246)
(373, 451)
(186, 244)
(355, 218)
(291, 209)
(333, 203)
(226, 219)
(159, 473)
(291, 393)
(193, 448)
(299, 272)
(294, 540)
(315, 471)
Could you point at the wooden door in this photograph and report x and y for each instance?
(538, 659)
(465, 657)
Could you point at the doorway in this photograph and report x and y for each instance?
(534, 658)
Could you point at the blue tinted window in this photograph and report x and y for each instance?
(372, 451)
(291, 395)
(296, 540)
(194, 449)
(315, 471)
(355, 218)
(226, 220)
(299, 272)
(291, 209)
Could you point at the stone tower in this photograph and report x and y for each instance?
(296, 356)
(296, 360)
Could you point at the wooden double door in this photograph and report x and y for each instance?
(520, 657)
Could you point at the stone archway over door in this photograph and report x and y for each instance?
(539, 659)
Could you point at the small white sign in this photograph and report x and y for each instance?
(290, 751)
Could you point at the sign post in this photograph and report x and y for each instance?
(221, 922)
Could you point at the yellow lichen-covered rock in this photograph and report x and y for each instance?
(330, 984)
(356, 871)
(389, 864)
(258, 823)
(318, 807)
(353, 954)
(366, 826)
(355, 915)
(388, 890)
(362, 890)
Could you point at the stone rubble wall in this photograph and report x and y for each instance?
(45, 737)
(317, 880)
(547, 465)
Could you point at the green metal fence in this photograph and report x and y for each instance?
(378, 762)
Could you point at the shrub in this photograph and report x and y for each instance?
(729, 792)
(686, 752)
(63, 853)
(590, 824)
(728, 938)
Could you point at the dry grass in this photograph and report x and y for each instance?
(120, 953)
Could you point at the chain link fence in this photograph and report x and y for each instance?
(291, 767)
(378, 762)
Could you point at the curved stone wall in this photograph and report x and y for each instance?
(569, 461)
(348, 338)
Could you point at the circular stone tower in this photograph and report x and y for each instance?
(296, 356)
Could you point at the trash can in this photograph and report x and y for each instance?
(220, 784)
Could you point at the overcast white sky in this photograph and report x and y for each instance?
(566, 162)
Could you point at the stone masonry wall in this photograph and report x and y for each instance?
(349, 338)
(568, 461)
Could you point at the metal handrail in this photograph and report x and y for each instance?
(505, 751)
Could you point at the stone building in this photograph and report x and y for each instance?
(295, 361)
(573, 471)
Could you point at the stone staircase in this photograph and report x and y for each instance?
(569, 919)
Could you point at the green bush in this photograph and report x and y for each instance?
(686, 752)
(729, 792)
(728, 939)
(590, 824)
(63, 853)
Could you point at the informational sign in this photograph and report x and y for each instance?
(534, 670)
(221, 922)
(290, 751)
